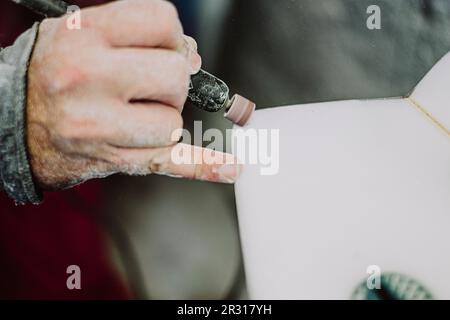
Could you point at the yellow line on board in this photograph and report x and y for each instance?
(415, 104)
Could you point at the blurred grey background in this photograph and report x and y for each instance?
(184, 234)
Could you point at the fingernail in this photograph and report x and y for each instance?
(195, 61)
(191, 43)
(229, 173)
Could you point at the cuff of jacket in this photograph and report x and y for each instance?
(15, 171)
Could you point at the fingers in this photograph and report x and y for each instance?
(149, 125)
(198, 163)
(143, 23)
(160, 74)
(156, 75)
(140, 23)
(182, 161)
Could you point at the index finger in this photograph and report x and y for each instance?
(181, 161)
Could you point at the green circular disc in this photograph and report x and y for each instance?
(394, 286)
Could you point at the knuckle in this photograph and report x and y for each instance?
(177, 122)
(169, 129)
(67, 77)
(168, 9)
(178, 98)
(159, 163)
(172, 82)
(169, 29)
(57, 69)
(170, 24)
(181, 98)
(181, 72)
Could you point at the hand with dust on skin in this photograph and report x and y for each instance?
(106, 98)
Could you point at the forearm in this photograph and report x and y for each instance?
(15, 172)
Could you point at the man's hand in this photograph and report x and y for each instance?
(107, 98)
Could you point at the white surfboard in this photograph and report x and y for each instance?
(360, 183)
